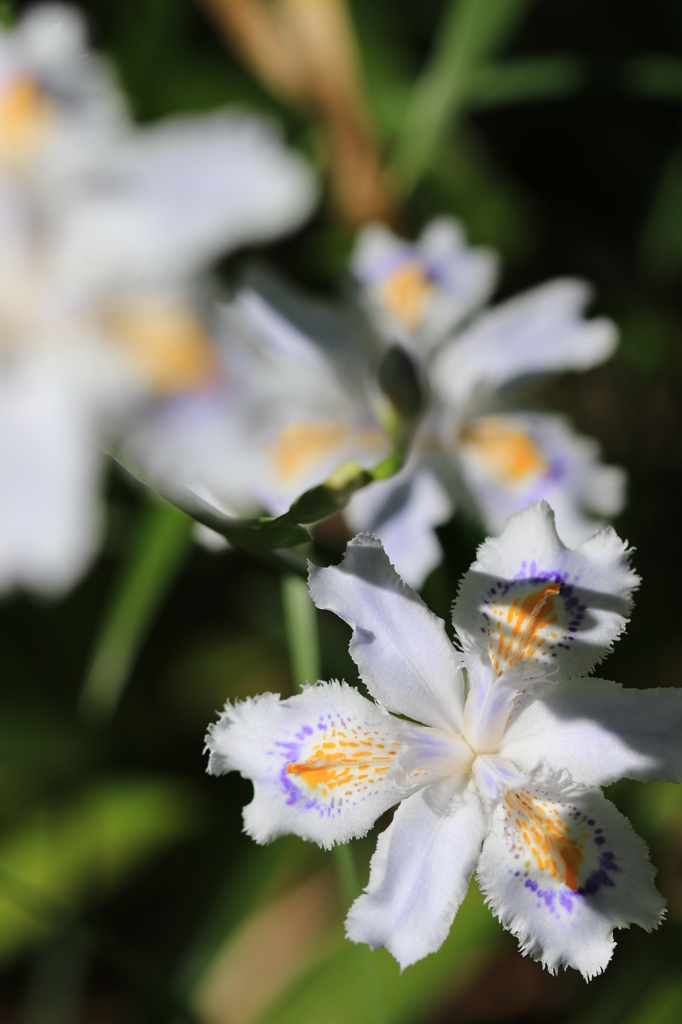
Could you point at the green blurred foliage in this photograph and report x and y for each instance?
(61, 856)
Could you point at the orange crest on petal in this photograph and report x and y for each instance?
(406, 292)
(508, 453)
(25, 115)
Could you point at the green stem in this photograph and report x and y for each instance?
(156, 557)
(347, 872)
(351, 889)
(300, 623)
(300, 620)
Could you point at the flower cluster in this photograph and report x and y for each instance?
(302, 400)
(475, 448)
(495, 748)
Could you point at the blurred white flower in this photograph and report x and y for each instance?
(470, 450)
(297, 402)
(417, 292)
(57, 101)
(103, 228)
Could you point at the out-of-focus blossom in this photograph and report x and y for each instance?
(417, 292)
(103, 228)
(57, 101)
(502, 777)
(297, 404)
(471, 451)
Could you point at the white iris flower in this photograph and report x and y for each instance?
(503, 775)
(103, 229)
(471, 451)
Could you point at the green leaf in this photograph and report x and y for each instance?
(657, 806)
(661, 244)
(264, 873)
(661, 1006)
(462, 177)
(471, 32)
(219, 667)
(156, 556)
(63, 856)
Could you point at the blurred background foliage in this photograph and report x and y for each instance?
(127, 891)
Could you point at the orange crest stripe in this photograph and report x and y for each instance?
(349, 761)
(519, 631)
(544, 838)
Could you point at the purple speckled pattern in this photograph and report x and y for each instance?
(555, 851)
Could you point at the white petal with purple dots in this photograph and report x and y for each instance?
(533, 603)
(561, 868)
(319, 762)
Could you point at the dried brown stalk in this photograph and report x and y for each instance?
(304, 51)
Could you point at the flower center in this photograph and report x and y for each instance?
(25, 116)
(165, 345)
(509, 454)
(435, 751)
